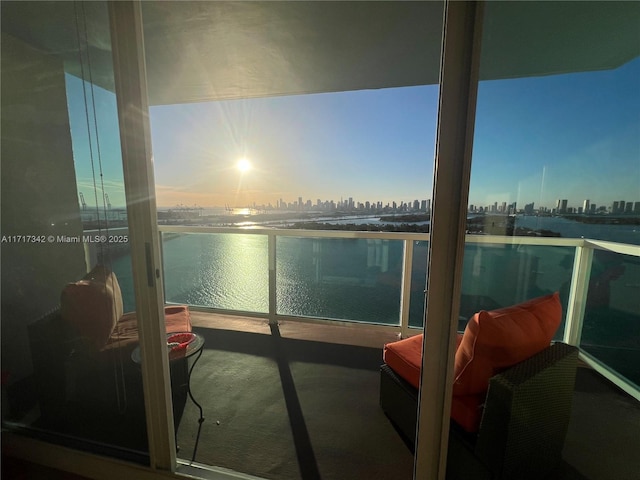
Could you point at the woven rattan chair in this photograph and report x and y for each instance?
(524, 423)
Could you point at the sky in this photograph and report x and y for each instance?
(369, 145)
(538, 139)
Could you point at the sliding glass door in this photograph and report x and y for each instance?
(67, 280)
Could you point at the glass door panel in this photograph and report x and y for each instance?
(554, 201)
(273, 116)
(68, 330)
(556, 152)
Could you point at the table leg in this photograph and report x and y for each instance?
(201, 419)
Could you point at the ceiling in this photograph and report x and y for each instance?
(201, 51)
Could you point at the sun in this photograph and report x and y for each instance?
(243, 165)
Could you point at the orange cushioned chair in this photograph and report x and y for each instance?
(82, 352)
(496, 345)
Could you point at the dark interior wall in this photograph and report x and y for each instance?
(38, 196)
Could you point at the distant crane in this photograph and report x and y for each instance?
(106, 197)
(84, 204)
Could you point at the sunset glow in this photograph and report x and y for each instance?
(243, 165)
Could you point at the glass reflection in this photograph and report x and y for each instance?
(65, 372)
(555, 154)
(611, 325)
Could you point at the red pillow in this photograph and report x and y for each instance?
(93, 305)
(496, 340)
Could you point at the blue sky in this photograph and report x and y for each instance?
(573, 136)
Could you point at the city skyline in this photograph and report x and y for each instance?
(562, 206)
(536, 140)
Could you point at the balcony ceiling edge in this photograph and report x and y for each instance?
(204, 51)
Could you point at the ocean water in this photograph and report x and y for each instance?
(629, 234)
(347, 279)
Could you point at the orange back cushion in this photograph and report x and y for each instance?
(496, 340)
(93, 305)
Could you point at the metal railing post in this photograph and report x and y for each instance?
(272, 278)
(578, 294)
(405, 288)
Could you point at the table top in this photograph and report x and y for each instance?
(191, 349)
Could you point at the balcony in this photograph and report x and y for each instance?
(375, 281)
(251, 289)
(295, 320)
(351, 292)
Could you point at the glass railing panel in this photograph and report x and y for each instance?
(611, 325)
(499, 275)
(224, 271)
(339, 278)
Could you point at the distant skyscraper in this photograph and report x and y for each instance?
(622, 206)
(586, 205)
(563, 205)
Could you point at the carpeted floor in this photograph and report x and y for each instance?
(299, 409)
(291, 409)
(304, 407)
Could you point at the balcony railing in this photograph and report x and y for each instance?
(377, 280)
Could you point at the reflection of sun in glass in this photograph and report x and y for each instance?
(243, 165)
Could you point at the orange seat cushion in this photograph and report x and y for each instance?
(466, 411)
(177, 318)
(93, 307)
(405, 357)
(496, 340)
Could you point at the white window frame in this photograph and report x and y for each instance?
(459, 68)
